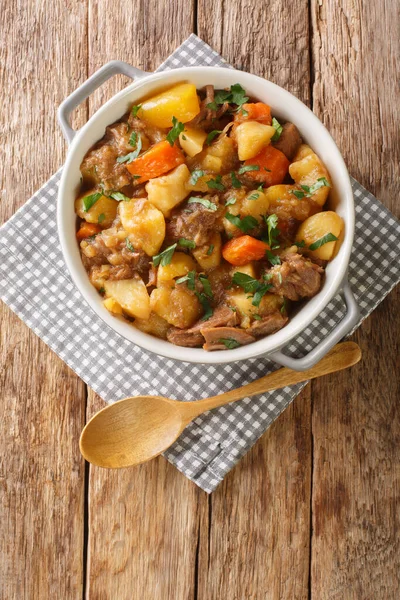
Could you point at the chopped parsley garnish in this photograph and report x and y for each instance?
(215, 184)
(273, 231)
(135, 109)
(253, 196)
(212, 135)
(204, 202)
(101, 218)
(257, 317)
(208, 311)
(210, 250)
(251, 286)
(230, 201)
(278, 130)
(129, 245)
(177, 128)
(300, 244)
(236, 95)
(230, 343)
(283, 307)
(132, 155)
(246, 224)
(236, 183)
(165, 257)
(206, 286)
(273, 259)
(102, 290)
(119, 196)
(307, 191)
(195, 176)
(247, 168)
(329, 237)
(133, 139)
(190, 278)
(184, 137)
(88, 201)
(186, 243)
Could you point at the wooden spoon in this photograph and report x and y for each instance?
(134, 430)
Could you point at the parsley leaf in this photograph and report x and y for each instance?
(190, 278)
(133, 139)
(177, 128)
(251, 286)
(230, 201)
(245, 224)
(329, 237)
(273, 259)
(254, 196)
(135, 109)
(208, 311)
(129, 245)
(257, 317)
(195, 176)
(236, 95)
(186, 243)
(206, 286)
(165, 257)
(273, 231)
(88, 201)
(278, 130)
(210, 250)
(262, 290)
(308, 191)
(101, 218)
(300, 244)
(119, 196)
(212, 105)
(230, 343)
(236, 183)
(215, 184)
(212, 135)
(102, 290)
(132, 155)
(247, 168)
(204, 202)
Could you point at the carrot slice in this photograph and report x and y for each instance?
(159, 159)
(87, 230)
(244, 249)
(256, 111)
(273, 166)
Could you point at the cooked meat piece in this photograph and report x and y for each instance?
(192, 338)
(118, 136)
(154, 134)
(95, 252)
(214, 335)
(268, 324)
(100, 166)
(114, 272)
(297, 277)
(208, 117)
(289, 141)
(152, 276)
(194, 222)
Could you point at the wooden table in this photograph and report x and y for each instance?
(313, 511)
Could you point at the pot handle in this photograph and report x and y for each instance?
(343, 328)
(114, 67)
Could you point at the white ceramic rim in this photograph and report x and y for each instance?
(289, 108)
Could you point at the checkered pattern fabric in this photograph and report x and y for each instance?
(35, 284)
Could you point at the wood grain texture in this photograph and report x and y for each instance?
(144, 522)
(356, 418)
(42, 401)
(257, 542)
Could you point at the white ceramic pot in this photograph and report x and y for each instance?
(284, 106)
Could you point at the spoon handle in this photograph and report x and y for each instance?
(342, 356)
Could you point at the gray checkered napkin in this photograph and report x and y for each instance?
(37, 287)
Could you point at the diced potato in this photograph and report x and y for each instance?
(154, 325)
(245, 310)
(255, 204)
(248, 269)
(176, 305)
(168, 191)
(307, 171)
(112, 306)
(269, 303)
(103, 206)
(99, 275)
(209, 256)
(302, 152)
(192, 140)
(131, 295)
(316, 227)
(179, 266)
(252, 137)
(222, 149)
(285, 205)
(212, 163)
(145, 223)
(230, 229)
(180, 101)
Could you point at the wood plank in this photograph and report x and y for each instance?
(257, 541)
(144, 522)
(356, 416)
(42, 407)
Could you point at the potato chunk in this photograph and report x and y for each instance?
(209, 256)
(220, 157)
(112, 306)
(176, 305)
(145, 223)
(307, 171)
(192, 140)
(154, 325)
(168, 191)
(131, 295)
(255, 204)
(103, 211)
(179, 266)
(315, 228)
(252, 137)
(180, 101)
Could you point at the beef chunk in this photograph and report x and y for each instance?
(268, 324)
(96, 252)
(194, 222)
(192, 337)
(214, 335)
(100, 166)
(297, 277)
(289, 141)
